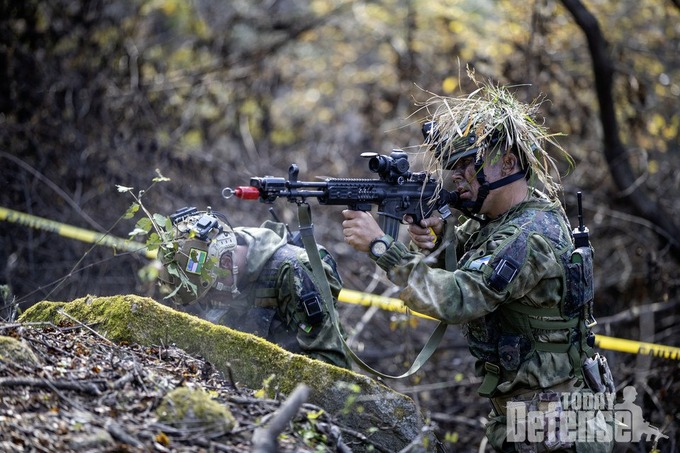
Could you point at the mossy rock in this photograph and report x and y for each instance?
(16, 351)
(193, 409)
(355, 400)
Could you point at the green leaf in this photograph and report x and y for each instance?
(315, 414)
(173, 270)
(144, 224)
(132, 210)
(174, 291)
(161, 220)
(154, 242)
(137, 231)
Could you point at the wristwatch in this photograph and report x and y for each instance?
(380, 245)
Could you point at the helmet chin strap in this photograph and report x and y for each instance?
(471, 208)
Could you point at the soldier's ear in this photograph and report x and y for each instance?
(510, 163)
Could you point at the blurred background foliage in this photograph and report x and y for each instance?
(98, 93)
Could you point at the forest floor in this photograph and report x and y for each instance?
(91, 395)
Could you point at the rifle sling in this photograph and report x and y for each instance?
(307, 235)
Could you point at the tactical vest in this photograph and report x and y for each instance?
(257, 311)
(310, 298)
(507, 337)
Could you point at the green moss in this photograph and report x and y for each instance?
(192, 409)
(142, 320)
(15, 351)
(249, 359)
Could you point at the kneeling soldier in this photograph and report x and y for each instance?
(252, 280)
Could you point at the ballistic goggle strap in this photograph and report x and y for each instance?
(307, 234)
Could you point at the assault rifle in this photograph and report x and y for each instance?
(397, 192)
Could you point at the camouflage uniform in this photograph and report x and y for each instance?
(270, 303)
(516, 358)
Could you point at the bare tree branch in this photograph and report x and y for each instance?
(614, 150)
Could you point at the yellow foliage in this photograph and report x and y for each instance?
(192, 139)
(321, 7)
(449, 85)
(451, 438)
(653, 166)
(656, 124)
(456, 26)
(283, 136)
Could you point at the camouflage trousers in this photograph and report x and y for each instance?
(545, 421)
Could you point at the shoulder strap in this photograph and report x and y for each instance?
(307, 234)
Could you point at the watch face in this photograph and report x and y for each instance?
(379, 248)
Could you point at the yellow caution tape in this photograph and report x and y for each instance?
(601, 341)
(72, 232)
(637, 347)
(346, 295)
(372, 300)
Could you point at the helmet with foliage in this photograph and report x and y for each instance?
(485, 124)
(194, 244)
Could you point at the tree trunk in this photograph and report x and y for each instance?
(614, 151)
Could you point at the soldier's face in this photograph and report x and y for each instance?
(464, 178)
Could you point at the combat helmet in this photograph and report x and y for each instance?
(191, 255)
(483, 125)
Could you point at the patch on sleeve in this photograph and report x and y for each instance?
(504, 273)
(479, 263)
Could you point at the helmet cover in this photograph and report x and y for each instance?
(191, 255)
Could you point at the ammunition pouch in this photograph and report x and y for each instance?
(313, 307)
(580, 291)
(597, 375)
(513, 350)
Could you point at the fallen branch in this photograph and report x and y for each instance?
(264, 438)
(635, 312)
(118, 433)
(82, 387)
(94, 332)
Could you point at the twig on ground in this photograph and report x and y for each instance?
(94, 332)
(83, 387)
(264, 438)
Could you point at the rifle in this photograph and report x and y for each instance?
(397, 192)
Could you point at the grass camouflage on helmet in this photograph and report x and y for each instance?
(491, 119)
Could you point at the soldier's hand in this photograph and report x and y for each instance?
(426, 234)
(359, 229)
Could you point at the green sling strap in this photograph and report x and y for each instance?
(307, 235)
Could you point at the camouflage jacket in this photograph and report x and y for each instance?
(455, 283)
(270, 301)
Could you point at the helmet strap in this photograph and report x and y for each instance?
(471, 208)
(233, 288)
